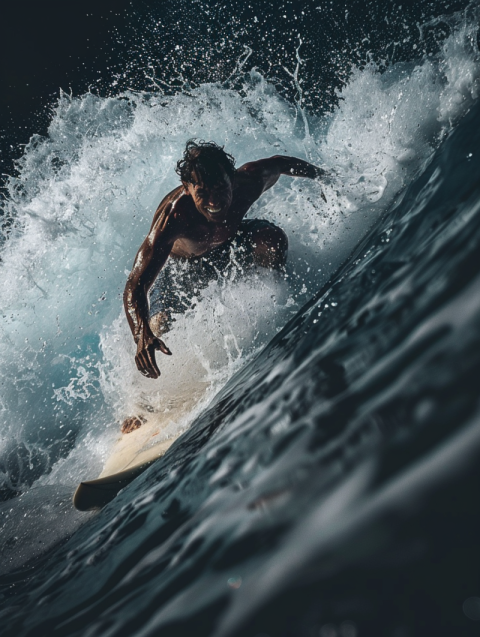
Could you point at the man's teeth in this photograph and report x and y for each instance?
(213, 209)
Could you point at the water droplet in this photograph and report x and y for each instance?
(471, 608)
(234, 582)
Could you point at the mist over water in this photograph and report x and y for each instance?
(83, 202)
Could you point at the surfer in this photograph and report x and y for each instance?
(199, 225)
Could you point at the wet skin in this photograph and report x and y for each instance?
(192, 220)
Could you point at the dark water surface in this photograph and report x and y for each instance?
(331, 486)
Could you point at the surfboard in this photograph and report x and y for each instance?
(132, 454)
(140, 445)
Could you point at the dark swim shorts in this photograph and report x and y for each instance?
(179, 283)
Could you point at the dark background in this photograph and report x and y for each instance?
(45, 46)
(106, 46)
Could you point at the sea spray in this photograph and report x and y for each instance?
(83, 202)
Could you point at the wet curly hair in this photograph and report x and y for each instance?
(204, 158)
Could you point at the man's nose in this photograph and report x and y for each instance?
(213, 199)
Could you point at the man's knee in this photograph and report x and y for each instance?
(160, 323)
(270, 244)
(273, 237)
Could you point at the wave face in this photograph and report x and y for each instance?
(338, 408)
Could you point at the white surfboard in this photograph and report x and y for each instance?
(131, 455)
(134, 452)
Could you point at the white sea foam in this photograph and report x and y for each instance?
(84, 202)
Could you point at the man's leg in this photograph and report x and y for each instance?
(267, 243)
(160, 323)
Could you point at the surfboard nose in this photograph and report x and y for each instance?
(93, 495)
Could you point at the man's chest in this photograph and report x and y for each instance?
(202, 237)
(199, 235)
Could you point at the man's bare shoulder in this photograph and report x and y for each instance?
(171, 217)
(172, 199)
(174, 206)
(258, 174)
(251, 175)
(251, 170)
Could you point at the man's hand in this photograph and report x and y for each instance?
(145, 359)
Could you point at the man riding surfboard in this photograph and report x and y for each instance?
(196, 226)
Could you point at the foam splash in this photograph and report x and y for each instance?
(83, 204)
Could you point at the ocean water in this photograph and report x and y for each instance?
(324, 482)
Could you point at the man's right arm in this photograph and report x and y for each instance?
(149, 261)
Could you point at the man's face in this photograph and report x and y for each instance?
(212, 201)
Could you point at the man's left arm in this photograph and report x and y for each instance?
(270, 169)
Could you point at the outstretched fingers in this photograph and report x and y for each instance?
(145, 358)
(146, 363)
(139, 362)
(152, 363)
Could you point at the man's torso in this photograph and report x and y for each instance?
(195, 235)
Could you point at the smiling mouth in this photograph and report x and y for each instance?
(213, 210)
